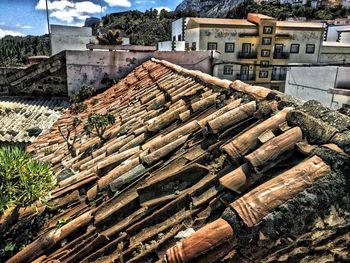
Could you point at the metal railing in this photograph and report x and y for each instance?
(251, 54)
(245, 77)
(278, 77)
(281, 55)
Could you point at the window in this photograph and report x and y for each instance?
(179, 37)
(229, 47)
(310, 48)
(212, 46)
(267, 29)
(264, 63)
(294, 48)
(263, 74)
(266, 40)
(174, 38)
(194, 46)
(187, 46)
(265, 53)
(228, 70)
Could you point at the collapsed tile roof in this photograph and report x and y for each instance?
(193, 168)
(22, 120)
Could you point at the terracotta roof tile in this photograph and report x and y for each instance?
(165, 168)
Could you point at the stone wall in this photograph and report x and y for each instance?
(48, 78)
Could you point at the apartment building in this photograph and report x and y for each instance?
(258, 49)
(255, 49)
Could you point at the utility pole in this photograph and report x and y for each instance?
(47, 17)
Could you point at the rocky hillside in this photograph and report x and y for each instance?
(206, 8)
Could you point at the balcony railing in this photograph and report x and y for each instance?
(251, 54)
(278, 77)
(245, 77)
(281, 55)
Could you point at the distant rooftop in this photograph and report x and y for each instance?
(300, 24)
(195, 22)
(22, 120)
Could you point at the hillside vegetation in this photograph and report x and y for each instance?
(14, 50)
(144, 28)
(282, 12)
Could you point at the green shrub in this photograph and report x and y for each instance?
(84, 93)
(23, 181)
(96, 124)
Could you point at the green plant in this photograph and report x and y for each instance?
(94, 101)
(78, 107)
(61, 222)
(96, 124)
(48, 151)
(23, 181)
(84, 93)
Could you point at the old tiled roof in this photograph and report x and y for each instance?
(22, 120)
(191, 158)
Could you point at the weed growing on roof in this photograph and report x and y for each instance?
(61, 222)
(70, 135)
(97, 124)
(84, 93)
(77, 108)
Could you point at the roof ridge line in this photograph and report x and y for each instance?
(257, 91)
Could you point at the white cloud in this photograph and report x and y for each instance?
(145, 2)
(68, 11)
(122, 3)
(162, 7)
(27, 27)
(4, 32)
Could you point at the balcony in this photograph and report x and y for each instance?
(251, 54)
(280, 77)
(281, 55)
(245, 77)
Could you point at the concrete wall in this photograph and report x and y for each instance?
(317, 83)
(70, 38)
(332, 32)
(100, 68)
(196, 60)
(177, 29)
(301, 37)
(171, 46)
(334, 52)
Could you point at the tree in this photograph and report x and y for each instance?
(23, 181)
(96, 124)
(70, 135)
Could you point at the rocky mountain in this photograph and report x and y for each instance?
(206, 8)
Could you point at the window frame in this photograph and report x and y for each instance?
(260, 74)
(291, 51)
(212, 43)
(313, 51)
(261, 53)
(227, 72)
(194, 46)
(226, 49)
(262, 41)
(266, 62)
(264, 30)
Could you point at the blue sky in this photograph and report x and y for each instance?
(28, 17)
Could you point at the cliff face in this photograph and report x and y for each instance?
(205, 8)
